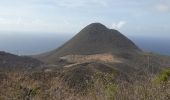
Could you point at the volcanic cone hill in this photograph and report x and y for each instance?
(93, 39)
(96, 38)
(98, 44)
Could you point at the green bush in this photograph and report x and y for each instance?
(163, 76)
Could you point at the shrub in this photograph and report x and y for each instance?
(163, 76)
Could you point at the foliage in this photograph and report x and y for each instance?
(163, 76)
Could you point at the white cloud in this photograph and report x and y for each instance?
(70, 3)
(102, 2)
(21, 24)
(82, 3)
(162, 7)
(118, 25)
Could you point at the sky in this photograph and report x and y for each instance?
(131, 17)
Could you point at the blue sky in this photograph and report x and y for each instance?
(132, 17)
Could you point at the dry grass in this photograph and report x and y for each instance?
(145, 89)
(49, 86)
(88, 58)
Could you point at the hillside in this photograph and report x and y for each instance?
(13, 62)
(97, 43)
(93, 39)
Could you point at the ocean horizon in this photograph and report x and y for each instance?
(35, 44)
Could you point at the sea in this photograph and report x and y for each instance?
(33, 44)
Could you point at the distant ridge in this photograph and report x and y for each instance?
(93, 39)
(9, 62)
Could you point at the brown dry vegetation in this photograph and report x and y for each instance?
(89, 58)
(79, 59)
(52, 86)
